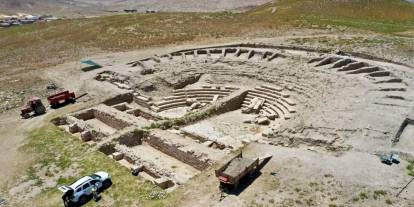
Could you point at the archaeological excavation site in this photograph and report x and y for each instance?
(179, 114)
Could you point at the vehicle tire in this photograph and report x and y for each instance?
(40, 110)
(106, 184)
(26, 116)
(82, 200)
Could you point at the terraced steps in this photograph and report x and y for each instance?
(369, 69)
(275, 105)
(205, 94)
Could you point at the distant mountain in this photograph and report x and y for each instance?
(92, 7)
(32, 6)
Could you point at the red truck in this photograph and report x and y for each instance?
(34, 105)
(61, 98)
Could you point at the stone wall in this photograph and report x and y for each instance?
(148, 167)
(110, 120)
(229, 103)
(187, 157)
(125, 97)
(85, 114)
(131, 139)
(143, 112)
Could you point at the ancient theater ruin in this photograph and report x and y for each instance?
(180, 113)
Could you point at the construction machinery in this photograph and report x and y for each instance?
(34, 105)
(60, 98)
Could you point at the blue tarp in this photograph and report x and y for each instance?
(92, 63)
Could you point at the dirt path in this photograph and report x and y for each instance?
(12, 136)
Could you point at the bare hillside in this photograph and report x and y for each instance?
(85, 7)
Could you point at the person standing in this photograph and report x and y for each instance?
(95, 192)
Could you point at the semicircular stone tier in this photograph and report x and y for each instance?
(258, 54)
(349, 66)
(272, 102)
(183, 97)
(385, 81)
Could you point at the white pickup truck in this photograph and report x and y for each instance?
(80, 191)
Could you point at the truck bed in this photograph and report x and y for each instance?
(238, 166)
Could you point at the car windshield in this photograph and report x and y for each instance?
(95, 176)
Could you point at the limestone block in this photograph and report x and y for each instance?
(163, 183)
(190, 101)
(247, 110)
(195, 106)
(86, 136)
(267, 132)
(208, 143)
(263, 121)
(215, 98)
(74, 128)
(271, 116)
(117, 156)
(137, 168)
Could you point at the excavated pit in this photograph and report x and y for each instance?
(102, 120)
(107, 149)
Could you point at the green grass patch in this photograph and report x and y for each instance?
(363, 195)
(54, 147)
(410, 168)
(379, 193)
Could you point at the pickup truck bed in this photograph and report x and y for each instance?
(237, 166)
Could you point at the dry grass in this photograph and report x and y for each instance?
(376, 15)
(45, 44)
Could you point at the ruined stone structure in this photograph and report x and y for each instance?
(181, 124)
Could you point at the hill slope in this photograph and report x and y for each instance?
(88, 7)
(45, 44)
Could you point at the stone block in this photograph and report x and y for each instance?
(117, 156)
(208, 143)
(195, 106)
(74, 128)
(86, 136)
(215, 98)
(263, 121)
(163, 183)
(136, 168)
(267, 132)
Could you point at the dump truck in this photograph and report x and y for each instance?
(63, 97)
(34, 105)
(235, 170)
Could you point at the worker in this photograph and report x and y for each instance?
(67, 197)
(95, 193)
(134, 171)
